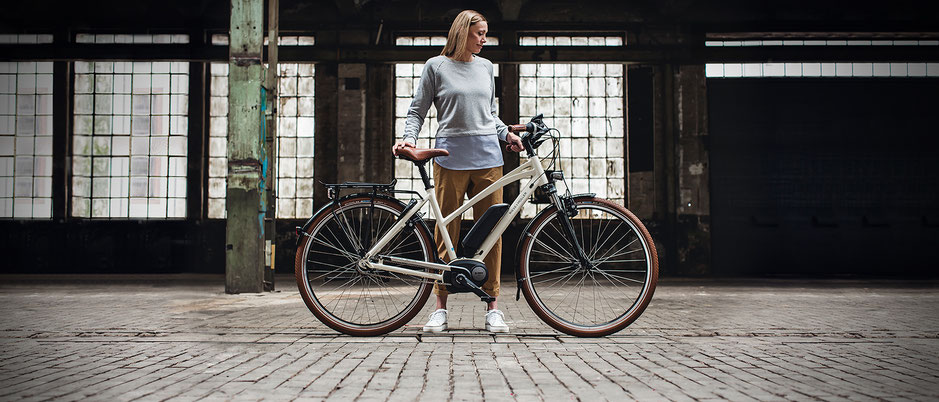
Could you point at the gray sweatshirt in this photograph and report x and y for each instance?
(464, 94)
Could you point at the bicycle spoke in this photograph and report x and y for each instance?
(555, 252)
(607, 238)
(610, 255)
(548, 272)
(587, 297)
(362, 298)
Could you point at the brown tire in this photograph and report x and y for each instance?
(610, 292)
(346, 298)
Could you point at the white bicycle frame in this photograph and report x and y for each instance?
(531, 169)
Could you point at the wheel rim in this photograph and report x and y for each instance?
(606, 294)
(348, 296)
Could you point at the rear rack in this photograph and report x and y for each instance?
(333, 189)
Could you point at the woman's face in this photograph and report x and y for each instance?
(476, 37)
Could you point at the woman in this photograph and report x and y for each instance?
(462, 87)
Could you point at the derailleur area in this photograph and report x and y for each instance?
(467, 275)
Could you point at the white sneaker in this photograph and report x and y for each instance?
(437, 321)
(495, 321)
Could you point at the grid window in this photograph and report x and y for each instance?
(130, 139)
(26, 140)
(570, 41)
(435, 41)
(408, 77)
(25, 39)
(160, 39)
(844, 70)
(841, 70)
(222, 39)
(777, 42)
(295, 141)
(218, 140)
(585, 103)
(294, 145)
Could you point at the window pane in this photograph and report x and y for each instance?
(125, 130)
(295, 123)
(407, 77)
(26, 138)
(591, 140)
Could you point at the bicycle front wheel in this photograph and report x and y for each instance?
(350, 299)
(594, 299)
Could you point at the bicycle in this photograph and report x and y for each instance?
(366, 261)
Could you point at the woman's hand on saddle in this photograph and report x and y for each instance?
(515, 143)
(400, 144)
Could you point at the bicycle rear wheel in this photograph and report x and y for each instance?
(606, 295)
(345, 297)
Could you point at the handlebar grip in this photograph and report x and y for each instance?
(518, 128)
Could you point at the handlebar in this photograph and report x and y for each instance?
(517, 128)
(533, 131)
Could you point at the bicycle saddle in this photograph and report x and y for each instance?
(421, 154)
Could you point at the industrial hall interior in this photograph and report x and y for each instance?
(238, 199)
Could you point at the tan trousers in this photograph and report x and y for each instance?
(450, 186)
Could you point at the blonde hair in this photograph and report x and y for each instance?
(456, 39)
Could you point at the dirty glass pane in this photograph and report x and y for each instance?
(295, 118)
(585, 103)
(407, 77)
(570, 41)
(125, 127)
(25, 137)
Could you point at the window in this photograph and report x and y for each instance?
(435, 41)
(130, 139)
(782, 69)
(295, 141)
(160, 39)
(222, 39)
(26, 139)
(570, 41)
(294, 145)
(218, 140)
(585, 103)
(407, 77)
(736, 70)
(25, 39)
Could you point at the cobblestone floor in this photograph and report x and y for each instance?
(182, 338)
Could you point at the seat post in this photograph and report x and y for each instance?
(420, 168)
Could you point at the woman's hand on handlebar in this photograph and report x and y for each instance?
(400, 144)
(515, 143)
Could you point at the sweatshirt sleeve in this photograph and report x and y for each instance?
(501, 128)
(423, 98)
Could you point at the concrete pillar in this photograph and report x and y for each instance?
(245, 201)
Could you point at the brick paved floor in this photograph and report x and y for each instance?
(182, 338)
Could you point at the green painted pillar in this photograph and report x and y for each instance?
(245, 200)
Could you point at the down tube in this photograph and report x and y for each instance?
(537, 178)
(515, 175)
